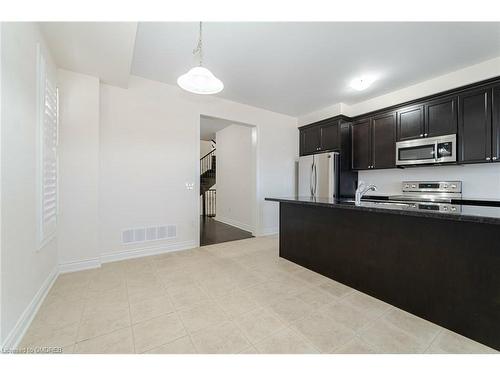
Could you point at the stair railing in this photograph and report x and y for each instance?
(207, 162)
(209, 201)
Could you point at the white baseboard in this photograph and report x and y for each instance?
(82, 265)
(235, 223)
(79, 265)
(146, 251)
(268, 231)
(17, 333)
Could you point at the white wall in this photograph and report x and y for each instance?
(78, 168)
(323, 113)
(1, 242)
(26, 271)
(205, 147)
(235, 175)
(150, 149)
(479, 180)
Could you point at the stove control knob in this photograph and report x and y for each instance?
(445, 186)
(413, 186)
(453, 186)
(453, 208)
(445, 208)
(407, 186)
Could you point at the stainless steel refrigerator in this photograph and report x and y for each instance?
(319, 175)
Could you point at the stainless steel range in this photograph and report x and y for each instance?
(430, 195)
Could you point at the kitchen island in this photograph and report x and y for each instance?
(443, 267)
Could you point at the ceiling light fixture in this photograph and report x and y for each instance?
(362, 83)
(200, 80)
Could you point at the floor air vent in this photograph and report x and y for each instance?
(153, 233)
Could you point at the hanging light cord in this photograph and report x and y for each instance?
(199, 47)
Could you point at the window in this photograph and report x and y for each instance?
(47, 121)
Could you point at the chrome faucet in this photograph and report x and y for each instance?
(362, 190)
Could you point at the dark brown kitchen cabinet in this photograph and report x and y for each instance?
(362, 144)
(322, 136)
(410, 123)
(330, 136)
(472, 112)
(384, 140)
(441, 117)
(374, 142)
(475, 126)
(495, 134)
(310, 140)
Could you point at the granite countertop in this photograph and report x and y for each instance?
(467, 212)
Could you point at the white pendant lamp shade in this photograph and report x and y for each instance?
(200, 80)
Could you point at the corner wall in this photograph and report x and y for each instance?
(235, 177)
(27, 272)
(78, 239)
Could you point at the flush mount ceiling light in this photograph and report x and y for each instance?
(200, 80)
(361, 83)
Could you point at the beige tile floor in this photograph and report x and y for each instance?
(235, 297)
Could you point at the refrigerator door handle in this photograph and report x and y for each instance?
(315, 180)
(311, 178)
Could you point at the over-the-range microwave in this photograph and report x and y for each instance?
(434, 150)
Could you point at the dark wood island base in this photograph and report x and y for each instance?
(445, 271)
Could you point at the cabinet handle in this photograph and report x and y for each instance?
(425, 135)
(488, 158)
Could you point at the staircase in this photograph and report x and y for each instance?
(207, 180)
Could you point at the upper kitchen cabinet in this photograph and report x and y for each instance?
(374, 142)
(495, 133)
(384, 140)
(310, 140)
(472, 112)
(441, 117)
(475, 126)
(362, 144)
(434, 118)
(330, 136)
(322, 136)
(410, 123)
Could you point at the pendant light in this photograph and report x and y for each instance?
(200, 80)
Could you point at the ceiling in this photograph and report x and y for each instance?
(101, 49)
(288, 67)
(296, 68)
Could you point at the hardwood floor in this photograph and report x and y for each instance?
(213, 231)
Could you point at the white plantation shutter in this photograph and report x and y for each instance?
(48, 138)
